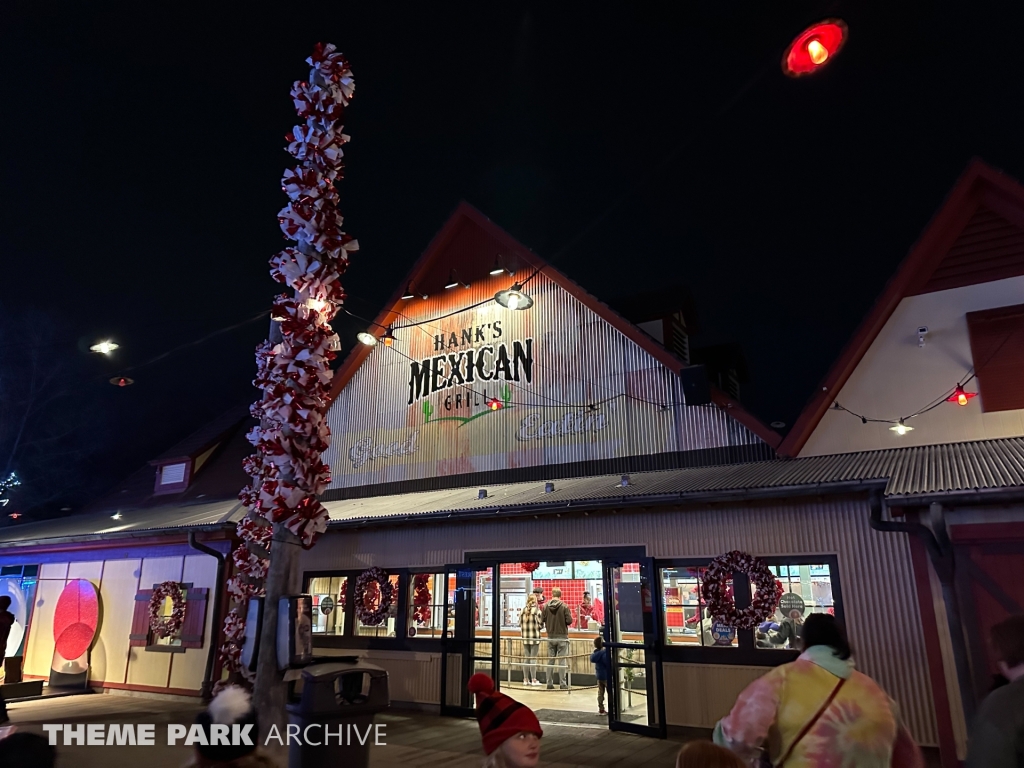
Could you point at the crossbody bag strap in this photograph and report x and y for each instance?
(810, 723)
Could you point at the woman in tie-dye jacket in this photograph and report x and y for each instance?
(860, 728)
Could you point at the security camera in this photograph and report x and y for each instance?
(922, 331)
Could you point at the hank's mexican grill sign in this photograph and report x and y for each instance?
(488, 389)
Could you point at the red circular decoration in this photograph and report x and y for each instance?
(815, 47)
(530, 567)
(75, 619)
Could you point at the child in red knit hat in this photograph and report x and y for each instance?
(510, 731)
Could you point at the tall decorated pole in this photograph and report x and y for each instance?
(293, 372)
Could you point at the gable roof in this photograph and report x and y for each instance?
(976, 236)
(457, 246)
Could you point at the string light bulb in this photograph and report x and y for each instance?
(122, 381)
(900, 428)
(388, 338)
(104, 347)
(814, 48)
(961, 396)
(513, 298)
(366, 338)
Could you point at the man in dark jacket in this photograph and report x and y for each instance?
(6, 622)
(557, 620)
(997, 736)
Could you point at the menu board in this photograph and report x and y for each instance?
(579, 569)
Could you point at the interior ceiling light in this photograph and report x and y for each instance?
(513, 298)
(960, 396)
(408, 293)
(122, 381)
(901, 428)
(454, 282)
(815, 47)
(104, 347)
(366, 338)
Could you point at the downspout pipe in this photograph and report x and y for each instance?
(211, 656)
(940, 553)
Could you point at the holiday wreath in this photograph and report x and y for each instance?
(716, 592)
(166, 626)
(374, 595)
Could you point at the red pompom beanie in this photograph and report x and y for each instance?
(500, 717)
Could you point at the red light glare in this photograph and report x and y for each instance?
(495, 404)
(122, 381)
(814, 47)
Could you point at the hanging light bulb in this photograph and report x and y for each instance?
(388, 338)
(104, 347)
(513, 298)
(901, 428)
(366, 338)
(408, 293)
(817, 52)
(122, 381)
(814, 48)
(960, 396)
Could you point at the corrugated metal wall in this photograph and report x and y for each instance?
(878, 588)
(579, 362)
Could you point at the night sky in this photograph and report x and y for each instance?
(142, 150)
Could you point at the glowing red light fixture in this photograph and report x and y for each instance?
(495, 404)
(14, 515)
(815, 47)
(960, 396)
(122, 381)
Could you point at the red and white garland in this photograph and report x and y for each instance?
(166, 626)
(715, 590)
(294, 374)
(374, 595)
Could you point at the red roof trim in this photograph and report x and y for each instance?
(980, 183)
(390, 314)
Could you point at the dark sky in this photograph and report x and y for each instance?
(142, 149)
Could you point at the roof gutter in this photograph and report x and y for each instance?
(974, 496)
(218, 598)
(106, 538)
(615, 502)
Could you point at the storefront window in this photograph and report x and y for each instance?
(806, 589)
(426, 604)
(686, 620)
(371, 601)
(329, 595)
(18, 583)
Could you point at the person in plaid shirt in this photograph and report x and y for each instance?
(530, 623)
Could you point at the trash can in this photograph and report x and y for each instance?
(335, 714)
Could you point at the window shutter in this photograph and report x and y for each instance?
(193, 627)
(997, 348)
(140, 619)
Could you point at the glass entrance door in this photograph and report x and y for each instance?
(636, 700)
(469, 642)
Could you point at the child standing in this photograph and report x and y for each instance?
(599, 658)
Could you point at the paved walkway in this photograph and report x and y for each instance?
(413, 740)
